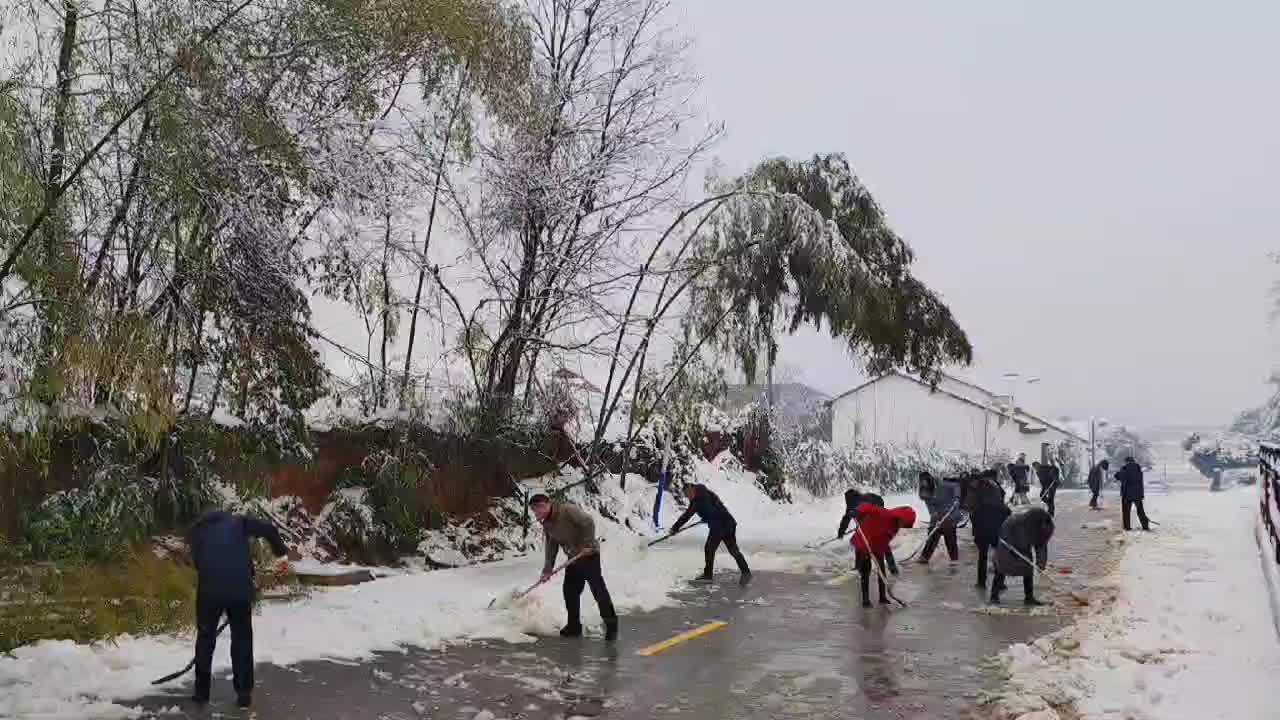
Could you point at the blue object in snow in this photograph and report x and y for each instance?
(657, 501)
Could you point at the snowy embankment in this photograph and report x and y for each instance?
(61, 679)
(1191, 634)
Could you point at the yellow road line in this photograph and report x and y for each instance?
(842, 579)
(682, 637)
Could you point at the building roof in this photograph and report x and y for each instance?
(1030, 423)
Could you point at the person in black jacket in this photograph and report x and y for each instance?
(852, 499)
(721, 527)
(219, 544)
(984, 495)
(1019, 473)
(1132, 493)
(1050, 478)
(1097, 474)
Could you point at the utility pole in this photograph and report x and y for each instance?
(1093, 443)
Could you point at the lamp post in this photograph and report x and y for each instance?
(1094, 424)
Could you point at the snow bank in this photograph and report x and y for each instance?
(56, 680)
(1190, 634)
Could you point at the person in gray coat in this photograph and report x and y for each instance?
(943, 500)
(1022, 533)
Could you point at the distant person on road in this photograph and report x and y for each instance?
(219, 543)
(852, 499)
(1097, 474)
(1050, 477)
(568, 526)
(721, 528)
(875, 531)
(1021, 534)
(945, 514)
(1132, 493)
(1019, 473)
(988, 512)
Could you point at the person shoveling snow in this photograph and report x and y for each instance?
(220, 550)
(721, 527)
(568, 526)
(875, 530)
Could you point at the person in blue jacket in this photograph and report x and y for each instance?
(219, 543)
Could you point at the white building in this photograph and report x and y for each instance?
(900, 409)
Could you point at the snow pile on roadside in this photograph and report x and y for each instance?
(55, 680)
(1190, 635)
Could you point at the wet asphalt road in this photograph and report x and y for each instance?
(795, 646)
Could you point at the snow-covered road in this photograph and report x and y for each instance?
(1190, 635)
(63, 680)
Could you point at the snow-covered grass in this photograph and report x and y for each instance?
(55, 680)
(1190, 635)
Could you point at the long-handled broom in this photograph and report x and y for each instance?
(1074, 595)
(505, 600)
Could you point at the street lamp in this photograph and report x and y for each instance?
(1012, 379)
(1094, 424)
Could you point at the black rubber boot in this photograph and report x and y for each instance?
(1031, 602)
(244, 700)
(610, 630)
(572, 630)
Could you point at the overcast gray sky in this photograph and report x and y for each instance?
(1090, 185)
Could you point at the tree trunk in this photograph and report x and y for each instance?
(635, 405)
(386, 314)
(426, 241)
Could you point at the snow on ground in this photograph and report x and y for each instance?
(56, 680)
(1190, 636)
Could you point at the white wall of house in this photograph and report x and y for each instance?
(901, 411)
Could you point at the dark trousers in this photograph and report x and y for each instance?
(1093, 497)
(1126, 504)
(982, 564)
(893, 564)
(586, 572)
(728, 536)
(1028, 586)
(863, 563)
(1048, 504)
(209, 613)
(947, 533)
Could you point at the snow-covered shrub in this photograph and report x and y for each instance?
(823, 470)
(376, 508)
(1070, 462)
(818, 468)
(95, 522)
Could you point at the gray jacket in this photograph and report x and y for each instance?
(568, 527)
(942, 500)
(1027, 531)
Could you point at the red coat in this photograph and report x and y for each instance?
(878, 526)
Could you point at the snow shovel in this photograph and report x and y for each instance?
(185, 670)
(824, 543)
(1074, 595)
(668, 536)
(516, 595)
(888, 588)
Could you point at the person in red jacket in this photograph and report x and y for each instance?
(876, 528)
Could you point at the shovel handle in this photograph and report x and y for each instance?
(558, 569)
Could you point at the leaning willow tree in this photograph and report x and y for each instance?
(787, 244)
